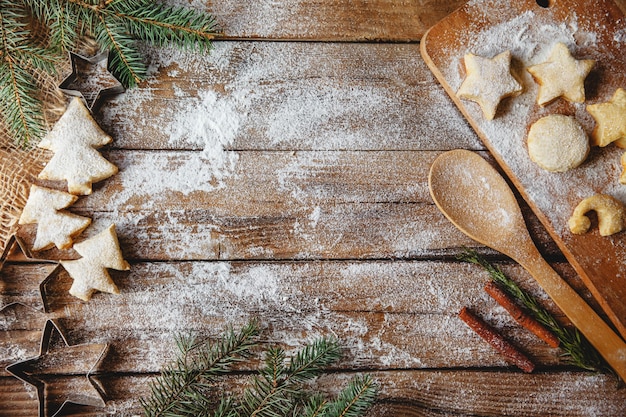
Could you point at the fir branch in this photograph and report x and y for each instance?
(65, 27)
(276, 391)
(576, 349)
(355, 399)
(117, 25)
(310, 361)
(125, 60)
(162, 25)
(174, 391)
(21, 110)
(316, 406)
(20, 107)
(269, 394)
(226, 408)
(273, 392)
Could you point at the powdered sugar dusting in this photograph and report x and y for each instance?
(212, 124)
(530, 36)
(289, 95)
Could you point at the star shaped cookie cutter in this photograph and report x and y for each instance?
(57, 359)
(91, 80)
(12, 244)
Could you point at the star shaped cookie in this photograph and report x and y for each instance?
(561, 76)
(90, 272)
(55, 226)
(57, 357)
(74, 140)
(611, 120)
(488, 81)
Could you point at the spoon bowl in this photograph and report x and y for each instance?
(480, 203)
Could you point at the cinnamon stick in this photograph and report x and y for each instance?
(498, 342)
(520, 316)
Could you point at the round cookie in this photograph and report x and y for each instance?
(557, 143)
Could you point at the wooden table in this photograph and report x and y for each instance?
(284, 177)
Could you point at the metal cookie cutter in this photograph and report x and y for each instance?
(62, 374)
(15, 243)
(91, 80)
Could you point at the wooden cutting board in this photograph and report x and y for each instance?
(592, 29)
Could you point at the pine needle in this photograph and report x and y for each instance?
(353, 401)
(21, 109)
(576, 349)
(175, 392)
(117, 26)
(279, 389)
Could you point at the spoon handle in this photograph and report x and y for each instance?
(600, 335)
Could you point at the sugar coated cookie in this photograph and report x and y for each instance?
(610, 212)
(488, 82)
(55, 226)
(610, 120)
(557, 143)
(74, 140)
(90, 272)
(561, 76)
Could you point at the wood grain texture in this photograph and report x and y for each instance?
(341, 20)
(594, 31)
(313, 214)
(275, 205)
(289, 96)
(391, 314)
(410, 393)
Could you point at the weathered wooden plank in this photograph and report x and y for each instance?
(426, 393)
(290, 96)
(344, 20)
(390, 315)
(338, 20)
(274, 205)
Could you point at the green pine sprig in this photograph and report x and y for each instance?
(352, 401)
(576, 349)
(20, 107)
(118, 26)
(273, 391)
(279, 389)
(177, 390)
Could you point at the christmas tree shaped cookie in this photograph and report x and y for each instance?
(74, 140)
(55, 226)
(90, 272)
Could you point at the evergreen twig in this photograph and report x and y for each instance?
(117, 25)
(279, 389)
(20, 106)
(273, 390)
(360, 391)
(576, 349)
(199, 363)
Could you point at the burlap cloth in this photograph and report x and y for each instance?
(21, 165)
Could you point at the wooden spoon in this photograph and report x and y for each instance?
(477, 200)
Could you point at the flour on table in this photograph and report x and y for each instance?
(530, 37)
(212, 123)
